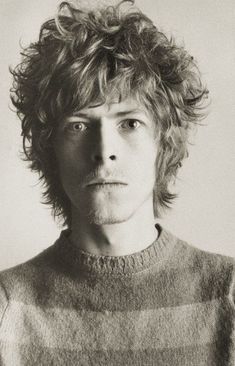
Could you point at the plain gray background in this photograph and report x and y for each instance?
(204, 213)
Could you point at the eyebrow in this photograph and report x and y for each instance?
(124, 113)
(118, 114)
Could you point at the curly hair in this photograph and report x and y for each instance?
(83, 56)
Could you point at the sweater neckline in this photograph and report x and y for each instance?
(79, 260)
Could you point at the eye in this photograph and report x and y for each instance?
(131, 124)
(76, 126)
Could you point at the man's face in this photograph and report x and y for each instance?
(106, 156)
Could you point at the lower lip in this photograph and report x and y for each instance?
(106, 186)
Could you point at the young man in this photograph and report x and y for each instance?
(107, 103)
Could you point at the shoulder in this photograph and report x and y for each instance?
(205, 261)
(26, 280)
(3, 301)
(212, 273)
(191, 255)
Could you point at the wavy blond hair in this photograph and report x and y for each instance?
(82, 56)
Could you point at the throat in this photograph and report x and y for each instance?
(117, 239)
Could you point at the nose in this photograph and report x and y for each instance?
(105, 145)
(99, 158)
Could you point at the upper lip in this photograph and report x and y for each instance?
(105, 181)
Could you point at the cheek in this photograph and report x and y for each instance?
(147, 155)
(70, 156)
(142, 168)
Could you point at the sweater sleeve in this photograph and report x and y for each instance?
(231, 352)
(3, 302)
(232, 286)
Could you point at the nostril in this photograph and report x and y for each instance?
(100, 158)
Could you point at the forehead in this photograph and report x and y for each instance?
(114, 108)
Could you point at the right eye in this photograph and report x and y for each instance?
(76, 126)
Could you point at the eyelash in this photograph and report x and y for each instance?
(72, 124)
(123, 124)
(131, 120)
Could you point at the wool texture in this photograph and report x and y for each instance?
(170, 304)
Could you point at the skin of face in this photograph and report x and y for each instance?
(106, 156)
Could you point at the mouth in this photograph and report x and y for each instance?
(104, 183)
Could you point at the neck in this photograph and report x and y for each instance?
(119, 239)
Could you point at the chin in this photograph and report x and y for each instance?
(109, 216)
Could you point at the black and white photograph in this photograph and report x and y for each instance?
(117, 224)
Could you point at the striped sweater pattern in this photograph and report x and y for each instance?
(169, 304)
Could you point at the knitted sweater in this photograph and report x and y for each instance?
(169, 304)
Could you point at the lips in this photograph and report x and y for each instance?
(103, 182)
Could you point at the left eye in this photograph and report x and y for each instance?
(131, 124)
(77, 126)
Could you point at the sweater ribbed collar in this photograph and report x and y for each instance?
(82, 261)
